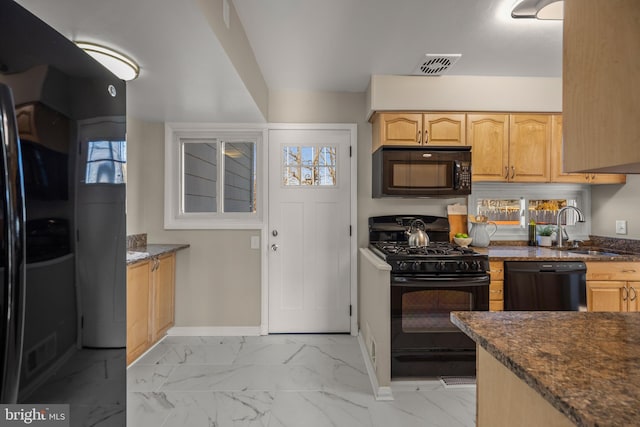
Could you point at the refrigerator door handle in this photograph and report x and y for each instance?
(14, 287)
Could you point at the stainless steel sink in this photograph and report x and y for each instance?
(593, 252)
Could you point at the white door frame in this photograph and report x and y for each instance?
(353, 250)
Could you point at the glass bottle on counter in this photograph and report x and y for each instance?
(532, 233)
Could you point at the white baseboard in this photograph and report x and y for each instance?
(215, 331)
(380, 393)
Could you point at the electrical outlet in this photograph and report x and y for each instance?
(621, 226)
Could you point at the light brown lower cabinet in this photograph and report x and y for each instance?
(613, 286)
(150, 303)
(496, 287)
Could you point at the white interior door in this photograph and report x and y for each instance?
(309, 230)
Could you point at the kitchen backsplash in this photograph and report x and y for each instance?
(625, 245)
(136, 240)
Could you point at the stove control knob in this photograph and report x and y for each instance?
(415, 266)
(441, 266)
(477, 266)
(403, 266)
(463, 265)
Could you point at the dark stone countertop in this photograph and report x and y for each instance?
(540, 253)
(586, 364)
(146, 252)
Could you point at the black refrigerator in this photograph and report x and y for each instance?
(62, 223)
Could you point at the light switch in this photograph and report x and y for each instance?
(255, 242)
(621, 226)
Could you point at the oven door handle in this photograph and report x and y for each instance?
(418, 281)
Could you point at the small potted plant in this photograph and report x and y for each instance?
(544, 235)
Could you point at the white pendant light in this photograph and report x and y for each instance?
(122, 66)
(540, 9)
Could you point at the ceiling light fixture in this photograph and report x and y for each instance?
(122, 66)
(540, 9)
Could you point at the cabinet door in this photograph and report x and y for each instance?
(598, 101)
(606, 296)
(530, 147)
(557, 175)
(163, 295)
(488, 136)
(397, 129)
(138, 309)
(444, 129)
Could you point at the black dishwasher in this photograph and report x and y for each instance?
(545, 286)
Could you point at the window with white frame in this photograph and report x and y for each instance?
(213, 178)
(513, 206)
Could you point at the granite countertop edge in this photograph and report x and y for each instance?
(581, 403)
(539, 253)
(145, 253)
(520, 372)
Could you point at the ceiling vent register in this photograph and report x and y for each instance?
(436, 64)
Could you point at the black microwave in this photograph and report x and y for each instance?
(421, 171)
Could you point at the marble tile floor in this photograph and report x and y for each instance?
(278, 381)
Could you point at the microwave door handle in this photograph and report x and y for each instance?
(456, 175)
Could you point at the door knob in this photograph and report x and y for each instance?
(274, 247)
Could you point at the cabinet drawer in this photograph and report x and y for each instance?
(496, 292)
(496, 306)
(613, 271)
(496, 270)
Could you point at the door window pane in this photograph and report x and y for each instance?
(106, 162)
(308, 166)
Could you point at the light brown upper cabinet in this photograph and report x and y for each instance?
(488, 136)
(557, 174)
(529, 147)
(510, 148)
(600, 95)
(437, 129)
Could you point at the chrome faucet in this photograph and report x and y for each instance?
(559, 235)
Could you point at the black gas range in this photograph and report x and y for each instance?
(427, 283)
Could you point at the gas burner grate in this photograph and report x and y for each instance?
(434, 249)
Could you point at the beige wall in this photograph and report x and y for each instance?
(218, 277)
(464, 93)
(612, 202)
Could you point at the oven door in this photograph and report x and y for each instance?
(424, 342)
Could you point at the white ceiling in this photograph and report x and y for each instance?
(328, 45)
